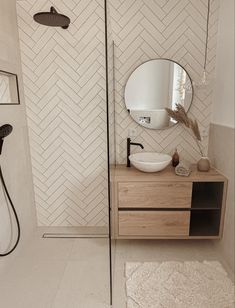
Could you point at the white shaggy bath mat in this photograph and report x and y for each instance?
(178, 285)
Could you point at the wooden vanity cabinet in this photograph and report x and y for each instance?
(165, 206)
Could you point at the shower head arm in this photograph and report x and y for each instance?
(53, 10)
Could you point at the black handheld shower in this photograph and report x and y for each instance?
(5, 131)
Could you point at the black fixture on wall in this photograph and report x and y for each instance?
(6, 130)
(52, 19)
(129, 143)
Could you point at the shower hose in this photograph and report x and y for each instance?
(15, 214)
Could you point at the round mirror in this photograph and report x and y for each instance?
(152, 87)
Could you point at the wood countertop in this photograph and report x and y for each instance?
(121, 173)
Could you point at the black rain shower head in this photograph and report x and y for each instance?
(52, 19)
(5, 131)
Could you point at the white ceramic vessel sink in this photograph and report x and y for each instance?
(150, 162)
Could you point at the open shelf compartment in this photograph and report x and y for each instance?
(205, 223)
(207, 195)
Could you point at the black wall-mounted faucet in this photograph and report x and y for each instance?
(129, 143)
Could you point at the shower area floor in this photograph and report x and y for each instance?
(56, 273)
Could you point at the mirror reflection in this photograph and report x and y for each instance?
(152, 87)
(9, 93)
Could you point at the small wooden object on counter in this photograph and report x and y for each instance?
(163, 205)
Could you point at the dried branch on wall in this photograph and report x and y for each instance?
(180, 115)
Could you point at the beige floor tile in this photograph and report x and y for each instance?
(31, 283)
(89, 249)
(85, 285)
(48, 249)
(40, 273)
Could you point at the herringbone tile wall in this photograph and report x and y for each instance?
(174, 29)
(64, 83)
(64, 79)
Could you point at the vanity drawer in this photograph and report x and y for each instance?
(154, 195)
(154, 223)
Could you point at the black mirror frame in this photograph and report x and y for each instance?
(152, 59)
